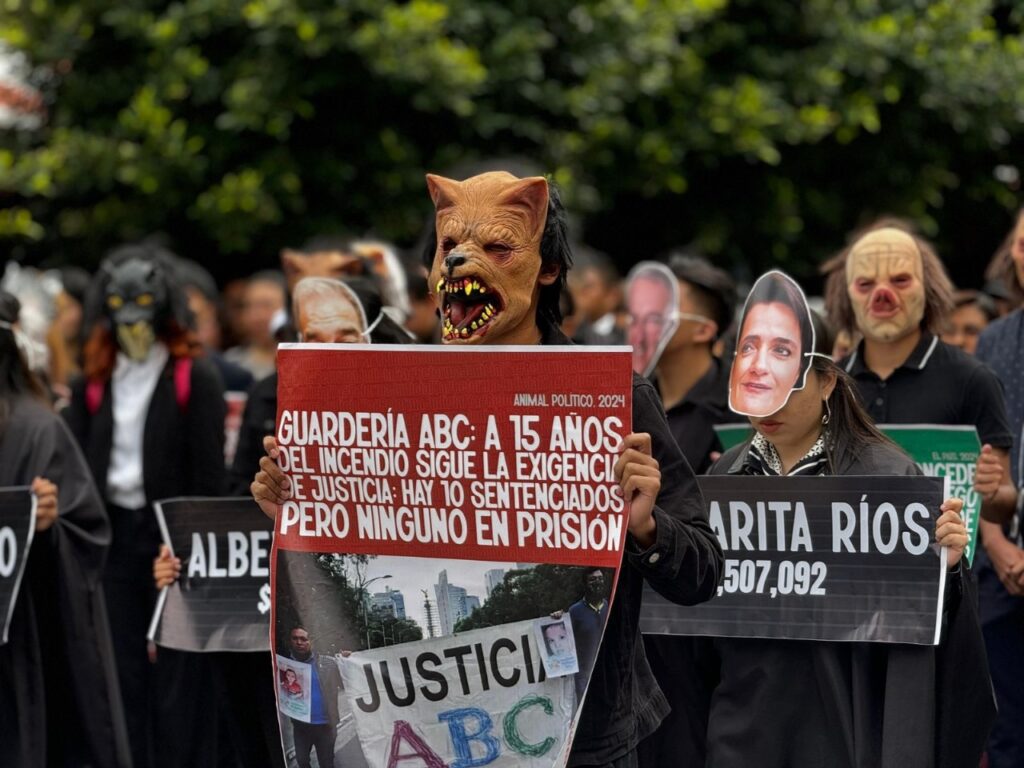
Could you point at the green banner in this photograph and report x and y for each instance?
(941, 451)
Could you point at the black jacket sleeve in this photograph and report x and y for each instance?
(685, 562)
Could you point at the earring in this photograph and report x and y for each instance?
(827, 415)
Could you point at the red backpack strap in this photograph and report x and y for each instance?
(94, 395)
(183, 381)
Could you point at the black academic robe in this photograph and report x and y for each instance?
(791, 704)
(172, 718)
(59, 698)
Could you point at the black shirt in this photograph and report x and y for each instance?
(693, 419)
(938, 384)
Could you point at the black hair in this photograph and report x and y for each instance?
(554, 251)
(191, 274)
(16, 378)
(985, 303)
(271, 276)
(387, 330)
(75, 282)
(850, 428)
(713, 287)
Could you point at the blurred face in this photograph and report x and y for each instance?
(329, 320)
(768, 360)
(885, 283)
(207, 325)
(596, 587)
(651, 306)
(799, 421)
(590, 295)
(1017, 250)
(69, 316)
(966, 325)
(557, 640)
(301, 646)
(262, 299)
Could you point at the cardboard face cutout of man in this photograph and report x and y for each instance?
(487, 268)
(136, 301)
(773, 348)
(328, 312)
(885, 282)
(652, 297)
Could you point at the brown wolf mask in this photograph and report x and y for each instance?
(487, 269)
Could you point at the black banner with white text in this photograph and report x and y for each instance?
(222, 600)
(819, 558)
(17, 524)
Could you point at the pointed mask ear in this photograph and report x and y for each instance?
(531, 195)
(444, 192)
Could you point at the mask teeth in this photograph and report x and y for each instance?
(464, 285)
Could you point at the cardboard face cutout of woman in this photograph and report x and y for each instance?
(652, 298)
(773, 348)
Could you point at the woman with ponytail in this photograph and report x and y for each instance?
(805, 704)
(59, 700)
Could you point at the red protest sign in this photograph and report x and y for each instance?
(475, 487)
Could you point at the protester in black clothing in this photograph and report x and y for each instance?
(694, 388)
(670, 543)
(797, 704)
(149, 416)
(891, 287)
(59, 700)
(692, 382)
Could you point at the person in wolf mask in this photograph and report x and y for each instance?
(498, 271)
(149, 416)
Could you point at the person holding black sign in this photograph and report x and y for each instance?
(800, 704)
(59, 699)
(149, 415)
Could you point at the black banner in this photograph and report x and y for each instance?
(819, 558)
(222, 600)
(17, 524)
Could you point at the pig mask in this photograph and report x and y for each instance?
(885, 283)
(487, 270)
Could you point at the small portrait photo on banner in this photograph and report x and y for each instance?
(294, 690)
(556, 638)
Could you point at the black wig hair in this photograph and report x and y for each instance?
(554, 251)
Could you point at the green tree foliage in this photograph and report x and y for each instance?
(528, 594)
(761, 132)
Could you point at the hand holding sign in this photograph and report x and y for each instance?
(639, 478)
(950, 531)
(166, 568)
(46, 503)
(271, 487)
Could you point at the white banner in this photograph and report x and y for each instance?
(476, 698)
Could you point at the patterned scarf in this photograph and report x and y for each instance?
(763, 459)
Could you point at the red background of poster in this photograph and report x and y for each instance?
(448, 380)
